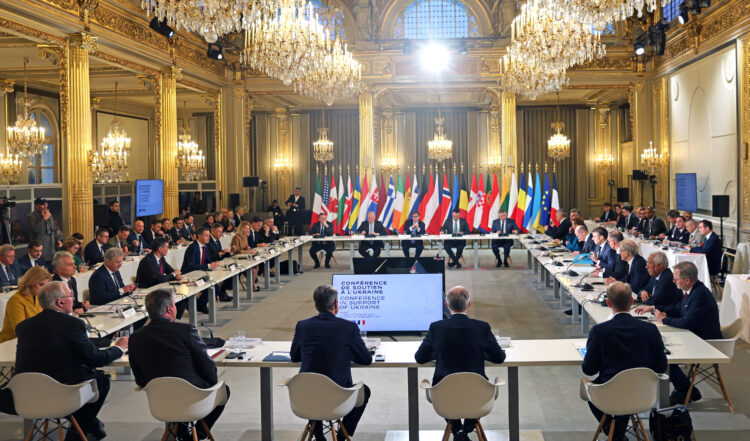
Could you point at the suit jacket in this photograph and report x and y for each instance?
(142, 242)
(170, 349)
(148, 273)
(561, 231)
(637, 275)
(589, 245)
(253, 239)
(326, 344)
(300, 204)
(420, 229)
(695, 239)
(73, 285)
(624, 342)
(317, 228)
(192, 259)
(270, 237)
(676, 235)
(664, 293)
(608, 216)
(619, 269)
(713, 249)
(607, 259)
(459, 344)
(380, 230)
(510, 226)
(174, 234)
(92, 254)
(697, 312)
(653, 227)
(215, 249)
(25, 263)
(148, 237)
(102, 288)
(626, 223)
(14, 273)
(116, 243)
(115, 220)
(463, 226)
(56, 344)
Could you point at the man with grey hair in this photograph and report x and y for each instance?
(165, 348)
(55, 343)
(328, 345)
(636, 274)
(660, 290)
(106, 284)
(459, 344)
(559, 232)
(696, 238)
(63, 268)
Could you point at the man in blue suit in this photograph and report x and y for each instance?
(136, 241)
(711, 247)
(10, 270)
(621, 343)
(198, 258)
(94, 251)
(628, 219)
(679, 233)
(696, 312)
(660, 291)
(328, 345)
(415, 228)
(637, 275)
(459, 344)
(106, 283)
(503, 226)
(33, 257)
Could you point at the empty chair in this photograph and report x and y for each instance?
(315, 397)
(40, 397)
(173, 400)
(630, 392)
(726, 345)
(463, 395)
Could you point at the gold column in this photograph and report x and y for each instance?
(221, 151)
(509, 143)
(661, 105)
(744, 156)
(366, 133)
(168, 140)
(76, 115)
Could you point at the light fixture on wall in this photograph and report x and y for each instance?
(190, 158)
(558, 146)
(605, 161)
(110, 164)
(283, 165)
(439, 148)
(11, 167)
(26, 137)
(494, 161)
(650, 158)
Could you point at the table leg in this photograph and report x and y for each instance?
(556, 288)
(574, 307)
(387, 248)
(267, 274)
(440, 248)
(528, 259)
(266, 404)
(277, 264)
(514, 430)
(413, 393)
(664, 393)
(476, 254)
(193, 310)
(351, 256)
(299, 259)
(290, 256)
(584, 322)
(236, 291)
(563, 298)
(249, 283)
(212, 304)
(536, 266)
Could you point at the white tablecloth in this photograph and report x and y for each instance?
(742, 259)
(735, 302)
(675, 257)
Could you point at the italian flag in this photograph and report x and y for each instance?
(317, 203)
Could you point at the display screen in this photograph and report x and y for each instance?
(686, 192)
(149, 197)
(390, 302)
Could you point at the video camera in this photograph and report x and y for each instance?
(7, 202)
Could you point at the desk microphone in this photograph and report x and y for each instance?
(135, 302)
(212, 342)
(584, 286)
(569, 271)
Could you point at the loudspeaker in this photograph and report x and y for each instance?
(234, 200)
(720, 205)
(250, 181)
(623, 194)
(640, 175)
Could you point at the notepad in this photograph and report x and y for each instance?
(581, 348)
(278, 356)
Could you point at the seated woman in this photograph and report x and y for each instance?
(23, 304)
(224, 221)
(210, 220)
(571, 241)
(241, 245)
(73, 246)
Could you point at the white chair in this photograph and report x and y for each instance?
(315, 397)
(40, 397)
(726, 345)
(174, 400)
(463, 395)
(630, 392)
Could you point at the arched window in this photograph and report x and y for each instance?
(439, 19)
(330, 16)
(42, 167)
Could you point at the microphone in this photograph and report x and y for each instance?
(584, 286)
(569, 271)
(135, 302)
(212, 342)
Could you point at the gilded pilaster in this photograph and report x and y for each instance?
(744, 57)
(508, 130)
(75, 111)
(661, 106)
(168, 140)
(366, 133)
(221, 151)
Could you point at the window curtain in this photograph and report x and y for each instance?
(343, 130)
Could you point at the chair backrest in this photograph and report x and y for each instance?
(37, 396)
(173, 399)
(463, 395)
(316, 397)
(725, 346)
(734, 330)
(627, 393)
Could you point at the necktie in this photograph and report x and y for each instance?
(7, 274)
(70, 284)
(502, 226)
(101, 250)
(371, 228)
(455, 226)
(140, 244)
(118, 279)
(161, 266)
(203, 255)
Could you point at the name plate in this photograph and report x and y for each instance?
(256, 258)
(200, 282)
(232, 267)
(127, 313)
(296, 240)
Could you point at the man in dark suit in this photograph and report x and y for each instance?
(269, 232)
(115, 220)
(457, 226)
(671, 223)
(64, 268)
(371, 228)
(239, 211)
(188, 229)
(660, 291)
(679, 233)
(177, 232)
(608, 215)
(120, 240)
(165, 348)
(214, 243)
(33, 257)
(197, 205)
(585, 243)
(153, 269)
(94, 251)
(711, 247)
(459, 344)
(328, 345)
(106, 284)
(296, 204)
(697, 312)
(654, 225)
(321, 229)
(153, 232)
(621, 343)
(629, 220)
(198, 258)
(503, 226)
(415, 228)
(136, 242)
(604, 254)
(10, 270)
(560, 231)
(56, 344)
(637, 275)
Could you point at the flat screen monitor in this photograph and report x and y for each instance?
(390, 303)
(686, 191)
(149, 197)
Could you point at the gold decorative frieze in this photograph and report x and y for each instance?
(624, 62)
(722, 21)
(84, 41)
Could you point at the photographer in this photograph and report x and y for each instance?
(40, 225)
(5, 229)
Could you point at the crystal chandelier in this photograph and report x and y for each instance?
(439, 148)
(26, 138)
(529, 80)
(494, 161)
(650, 158)
(389, 164)
(323, 147)
(190, 159)
(283, 165)
(111, 163)
(558, 146)
(600, 13)
(11, 167)
(605, 161)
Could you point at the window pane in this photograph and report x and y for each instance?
(43, 122)
(48, 156)
(48, 176)
(427, 19)
(32, 176)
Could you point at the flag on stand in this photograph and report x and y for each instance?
(456, 193)
(484, 224)
(472, 202)
(317, 202)
(333, 206)
(356, 203)
(546, 199)
(463, 200)
(518, 210)
(480, 203)
(364, 203)
(529, 208)
(382, 199)
(432, 208)
(513, 198)
(398, 206)
(415, 196)
(504, 194)
(495, 204)
(386, 216)
(405, 206)
(445, 201)
(374, 198)
(537, 208)
(326, 197)
(555, 207)
(342, 223)
(429, 189)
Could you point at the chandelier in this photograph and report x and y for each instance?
(26, 138)
(651, 159)
(494, 161)
(190, 159)
(283, 165)
(11, 167)
(111, 163)
(605, 161)
(323, 147)
(389, 164)
(558, 146)
(529, 80)
(439, 148)
(600, 13)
